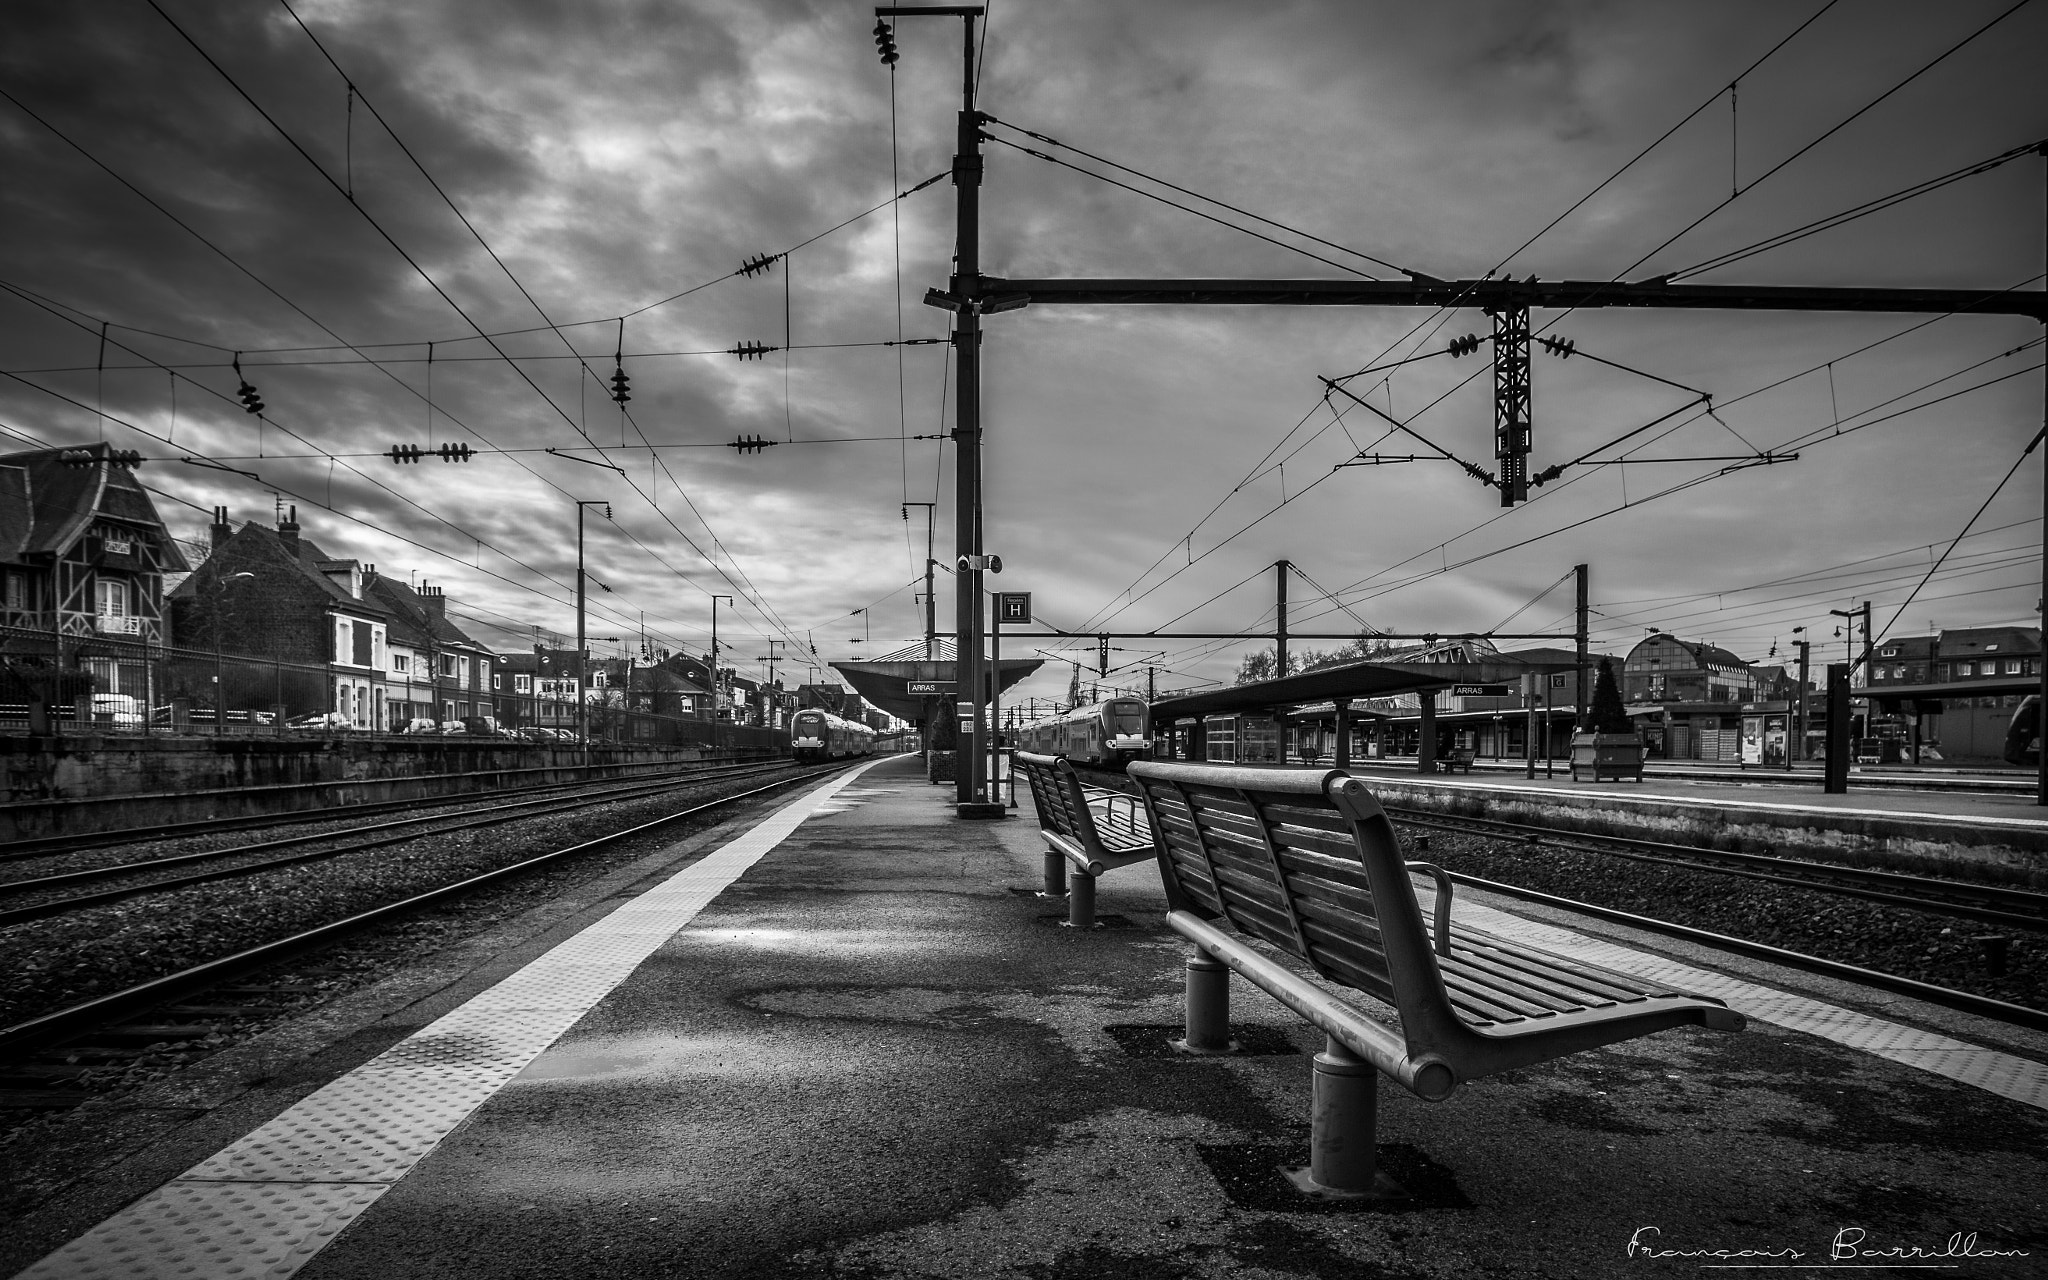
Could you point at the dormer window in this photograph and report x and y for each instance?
(1991, 648)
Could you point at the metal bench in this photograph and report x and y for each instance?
(1093, 828)
(1306, 861)
(1459, 758)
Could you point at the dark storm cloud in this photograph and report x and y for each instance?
(614, 154)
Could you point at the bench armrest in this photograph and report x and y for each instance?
(1443, 903)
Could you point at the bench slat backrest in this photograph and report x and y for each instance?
(1303, 859)
(1060, 806)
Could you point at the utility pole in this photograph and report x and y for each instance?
(963, 297)
(582, 656)
(774, 703)
(1280, 568)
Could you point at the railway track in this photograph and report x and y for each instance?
(381, 835)
(1991, 904)
(198, 1003)
(2017, 908)
(42, 846)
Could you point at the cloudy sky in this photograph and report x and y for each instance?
(202, 180)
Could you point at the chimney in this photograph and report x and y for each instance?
(221, 530)
(436, 603)
(288, 530)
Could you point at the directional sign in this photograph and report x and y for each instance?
(931, 688)
(1013, 606)
(1479, 691)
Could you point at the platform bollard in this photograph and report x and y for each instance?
(1208, 1005)
(1343, 1121)
(1055, 874)
(1081, 901)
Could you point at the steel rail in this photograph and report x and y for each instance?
(494, 815)
(76, 1019)
(1983, 1006)
(40, 846)
(1993, 904)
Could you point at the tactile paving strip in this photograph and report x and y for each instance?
(265, 1204)
(214, 1230)
(2004, 1074)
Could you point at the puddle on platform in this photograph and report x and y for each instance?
(645, 1057)
(822, 941)
(849, 799)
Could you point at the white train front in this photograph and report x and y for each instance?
(819, 735)
(1110, 734)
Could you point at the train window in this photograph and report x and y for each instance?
(1127, 717)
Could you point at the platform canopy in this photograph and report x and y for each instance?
(885, 681)
(1352, 681)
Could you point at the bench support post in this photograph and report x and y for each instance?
(1055, 874)
(1208, 1005)
(1081, 901)
(1343, 1131)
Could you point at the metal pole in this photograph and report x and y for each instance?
(582, 704)
(1529, 727)
(1582, 639)
(971, 786)
(1280, 636)
(1836, 781)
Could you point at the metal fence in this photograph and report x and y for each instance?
(100, 684)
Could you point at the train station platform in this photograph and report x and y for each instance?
(841, 1041)
(2003, 833)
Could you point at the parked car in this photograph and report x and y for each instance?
(324, 722)
(116, 709)
(421, 725)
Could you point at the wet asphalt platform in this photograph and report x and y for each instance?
(842, 1039)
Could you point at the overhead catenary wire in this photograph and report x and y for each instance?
(1443, 314)
(755, 597)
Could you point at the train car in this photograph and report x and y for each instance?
(819, 736)
(2023, 734)
(1107, 734)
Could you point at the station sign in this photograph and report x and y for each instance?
(1558, 681)
(1013, 606)
(1479, 691)
(931, 688)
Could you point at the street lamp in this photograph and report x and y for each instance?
(714, 669)
(582, 701)
(1798, 752)
(220, 684)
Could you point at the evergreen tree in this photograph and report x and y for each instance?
(1608, 714)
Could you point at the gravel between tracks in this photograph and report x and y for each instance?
(1922, 945)
(60, 961)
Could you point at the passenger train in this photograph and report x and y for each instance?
(1110, 734)
(819, 735)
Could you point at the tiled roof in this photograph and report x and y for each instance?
(61, 502)
(412, 622)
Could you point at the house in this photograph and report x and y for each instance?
(83, 556)
(290, 626)
(437, 672)
(538, 688)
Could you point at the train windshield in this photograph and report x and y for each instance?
(1127, 718)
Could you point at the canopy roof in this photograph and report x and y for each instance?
(885, 682)
(1355, 680)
